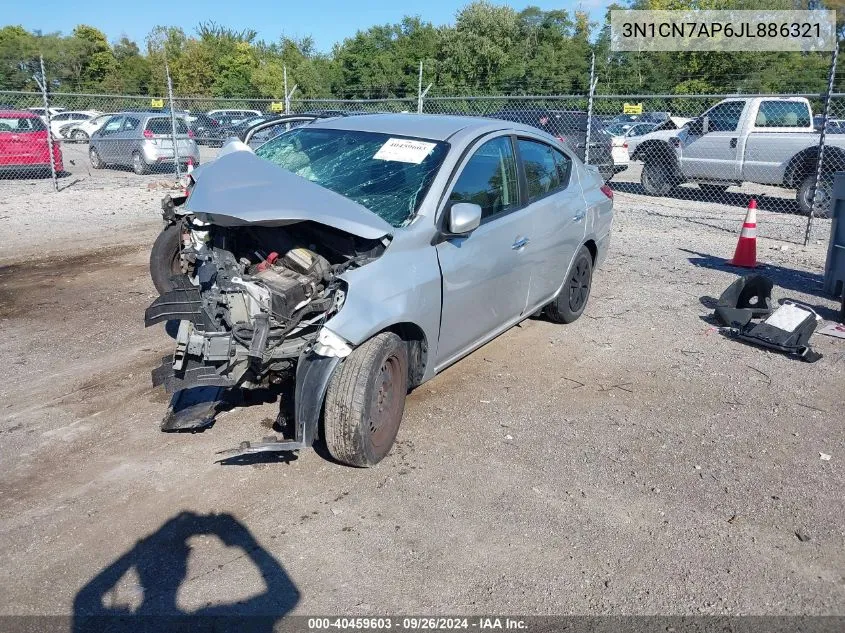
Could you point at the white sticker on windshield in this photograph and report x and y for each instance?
(404, 150)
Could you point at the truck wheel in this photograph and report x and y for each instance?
(572, 300)
(657, 179)
(713, 191)
(805, 192)
(365, 401)
(165, 260)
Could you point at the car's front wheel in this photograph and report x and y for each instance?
(365, 401)
(572, 300)
(96, 161)
(79, 136)
(166, 258)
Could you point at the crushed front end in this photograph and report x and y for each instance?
(251, 315)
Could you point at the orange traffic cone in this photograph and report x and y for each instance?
(190, 164)
(746, 248)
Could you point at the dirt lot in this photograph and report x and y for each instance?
(635, 462)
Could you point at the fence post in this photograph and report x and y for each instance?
(172, 121)
(830, 79)
(42, 83)
(590, 110)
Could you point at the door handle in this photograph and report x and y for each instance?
(733, 143)
(520, 243)
(579, 216)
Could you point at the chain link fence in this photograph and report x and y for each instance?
(665, 153)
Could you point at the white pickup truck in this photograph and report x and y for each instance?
(765, 140)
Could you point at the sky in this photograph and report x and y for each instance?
(327, 21)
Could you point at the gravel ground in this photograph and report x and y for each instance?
(634, 462)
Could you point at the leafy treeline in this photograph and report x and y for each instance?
(490, 49)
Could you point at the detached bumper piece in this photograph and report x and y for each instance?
(182, 303)
(194, 374)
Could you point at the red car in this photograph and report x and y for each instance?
(23, 145)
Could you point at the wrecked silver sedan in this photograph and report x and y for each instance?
(358, 257)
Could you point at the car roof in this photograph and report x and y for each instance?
(437, 127)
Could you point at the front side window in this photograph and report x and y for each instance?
(387, 175)
(489, 179)
(131, 123)
(21, 124)
(783, 114)
(113, 125)
(725, 116)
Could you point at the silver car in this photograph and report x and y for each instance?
(142, 141)
(355, 258)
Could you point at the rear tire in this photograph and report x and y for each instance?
(165, 259)
(573, 297)
(139, 165)
(79, 136)
(657, 179)
(365, 401)
(805, 192)
(96, 161)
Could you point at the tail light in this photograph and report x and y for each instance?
(625, 145)
(148, 134)
(606, 190)
(190, 134)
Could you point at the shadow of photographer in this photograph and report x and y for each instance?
(160, 561)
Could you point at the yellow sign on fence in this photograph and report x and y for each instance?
(632, 108)
(277, 106)
(157, 103)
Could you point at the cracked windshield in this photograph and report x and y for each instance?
(387, 175)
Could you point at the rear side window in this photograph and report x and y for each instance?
(546, 169)
(21, 124)
(489, 179)
(783, 114)
(163, 126)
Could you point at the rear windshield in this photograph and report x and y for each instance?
(387, 175)
(163, 126)
(21, 124)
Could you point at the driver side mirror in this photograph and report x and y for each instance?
(464, 217)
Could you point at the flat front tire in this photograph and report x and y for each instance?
(570, 303)
(365, 401)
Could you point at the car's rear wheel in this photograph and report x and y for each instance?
(365, 401)
(79, 136)
(570, 303)
(657, 179)
(165, 258)
(806, 192)
(96, 161)
(139, 165)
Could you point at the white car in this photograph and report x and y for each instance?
(81, 131)
(625, 137)
(61, 119)
(42, 112)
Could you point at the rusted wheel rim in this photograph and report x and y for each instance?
(579, 285)
(387, 402)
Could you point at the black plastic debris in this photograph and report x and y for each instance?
(786, 329)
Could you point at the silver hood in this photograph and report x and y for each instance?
(240, 188)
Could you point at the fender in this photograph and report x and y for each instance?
(804, 162)
(659, 148)
(313, 373)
